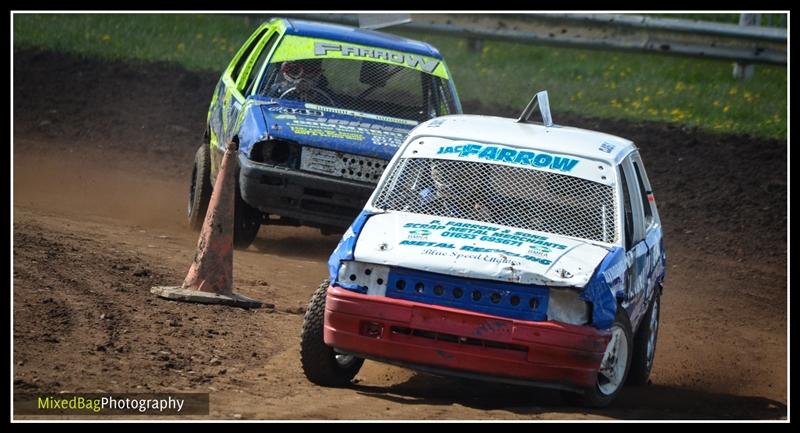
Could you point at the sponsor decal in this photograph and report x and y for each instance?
(353, 113)
(615, 271)
(538, 250)
(379, 135)
(509, 155)
(289, 110)
(417, 62)
(436, 123)
(440, 235)
(481, 257)
(325, 132)
(427, 244)
(606, 147)
(419, 234)
(294, 47)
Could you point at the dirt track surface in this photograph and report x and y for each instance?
(102, 156)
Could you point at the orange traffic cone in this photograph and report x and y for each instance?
(210, 276)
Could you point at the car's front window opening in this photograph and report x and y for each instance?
(358, 85)
(518, 197)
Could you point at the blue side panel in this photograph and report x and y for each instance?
(344, 251)
(522, 302)
(602, 290)
(658, 258)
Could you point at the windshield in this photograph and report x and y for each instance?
(518, 197)
(364, 86)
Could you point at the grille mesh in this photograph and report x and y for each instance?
(344, 165)
(498, 194)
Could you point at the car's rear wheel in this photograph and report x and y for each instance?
(199, 188)
(322, 365)
(644, 344)
(614, 367)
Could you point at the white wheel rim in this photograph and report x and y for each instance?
(651, 339)
(615, 362)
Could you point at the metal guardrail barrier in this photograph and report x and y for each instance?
(680, 25)
(746, 44)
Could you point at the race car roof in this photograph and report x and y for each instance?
(359, 36)
(499, 130)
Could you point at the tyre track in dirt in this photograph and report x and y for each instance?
(100, 180)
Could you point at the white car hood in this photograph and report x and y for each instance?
(473, 249)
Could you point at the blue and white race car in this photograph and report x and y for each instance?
(499, 249)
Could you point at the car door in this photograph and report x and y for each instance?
(234, 81)
(436, 97)
(652, 226)
(215, 114)
(229, 96)
(257, 63)
(636, 250)
(221, 105)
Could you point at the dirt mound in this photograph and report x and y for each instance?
(102, 154)
(146, 112)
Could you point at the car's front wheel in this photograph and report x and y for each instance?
(613, 368)
(644, 344)
(199, 188)
(321, 363)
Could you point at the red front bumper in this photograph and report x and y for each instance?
(443, 338)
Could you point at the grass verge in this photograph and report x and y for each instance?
(625, 85)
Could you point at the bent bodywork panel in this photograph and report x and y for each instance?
(344, 251)
(604, 288)
(253, 126)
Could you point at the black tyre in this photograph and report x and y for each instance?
(199, 188)
(614, 368)
(322, 365)
(246, 222)
(644, 344)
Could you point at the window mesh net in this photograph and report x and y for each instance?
(498, 194)
(365, 86)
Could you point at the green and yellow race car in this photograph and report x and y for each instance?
(317, 110)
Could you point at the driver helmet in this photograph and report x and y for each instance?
(301, 70)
